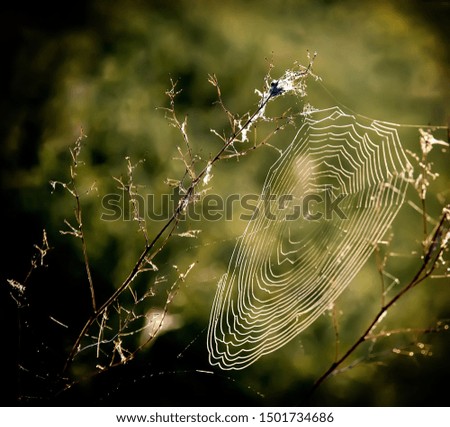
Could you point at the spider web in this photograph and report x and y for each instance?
(291, 264)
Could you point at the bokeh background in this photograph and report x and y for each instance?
(104, 67)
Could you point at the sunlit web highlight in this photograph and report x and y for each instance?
(289, 266)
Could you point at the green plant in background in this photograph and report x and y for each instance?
(109, 82)
(109, 334)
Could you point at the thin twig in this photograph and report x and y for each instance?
(431, 256)
(78, 231)
(84, 249)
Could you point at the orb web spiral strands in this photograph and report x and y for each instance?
(297, 254)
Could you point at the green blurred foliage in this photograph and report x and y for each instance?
(106, 72)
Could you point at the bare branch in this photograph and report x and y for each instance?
(439, 241)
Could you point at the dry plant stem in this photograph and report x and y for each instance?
(172, 293)
(260, 144)
(84, 249)
(143, 258)
(380, 268)
(336, 332)
(42, 252)
(171, 224)
(399, 331)
(73, 190)
(424, 208)
(424, 272)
